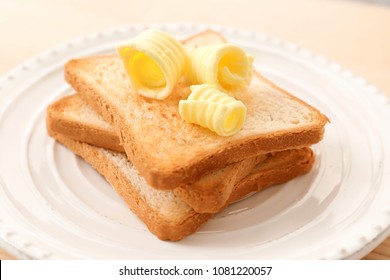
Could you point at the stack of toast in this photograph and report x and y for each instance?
(174, 175)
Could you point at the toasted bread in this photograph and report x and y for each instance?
(170, 152)
(74, 118)
(165, 214)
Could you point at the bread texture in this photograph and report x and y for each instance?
(170, 152)
(72, 117)
(165, 214)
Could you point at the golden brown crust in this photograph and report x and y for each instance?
(211, 192)
(293, 164)
(189, 173)
(162, 227)
(267, 170)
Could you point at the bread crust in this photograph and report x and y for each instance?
(295, 163)
(272, 169)
(163, 227)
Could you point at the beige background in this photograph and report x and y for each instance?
(353, 34)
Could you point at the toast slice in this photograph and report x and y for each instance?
(74, 118)
(165, 214)
(170, 152)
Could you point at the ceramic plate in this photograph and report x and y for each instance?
(54, 205)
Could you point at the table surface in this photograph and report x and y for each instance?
(354, 34)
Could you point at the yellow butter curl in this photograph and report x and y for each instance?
(225, 66)
(209, 107)
(154, 62)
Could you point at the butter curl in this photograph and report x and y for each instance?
(224, 66)
(208, 107)
(154, 62)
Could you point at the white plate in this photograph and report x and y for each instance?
(53, 205)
